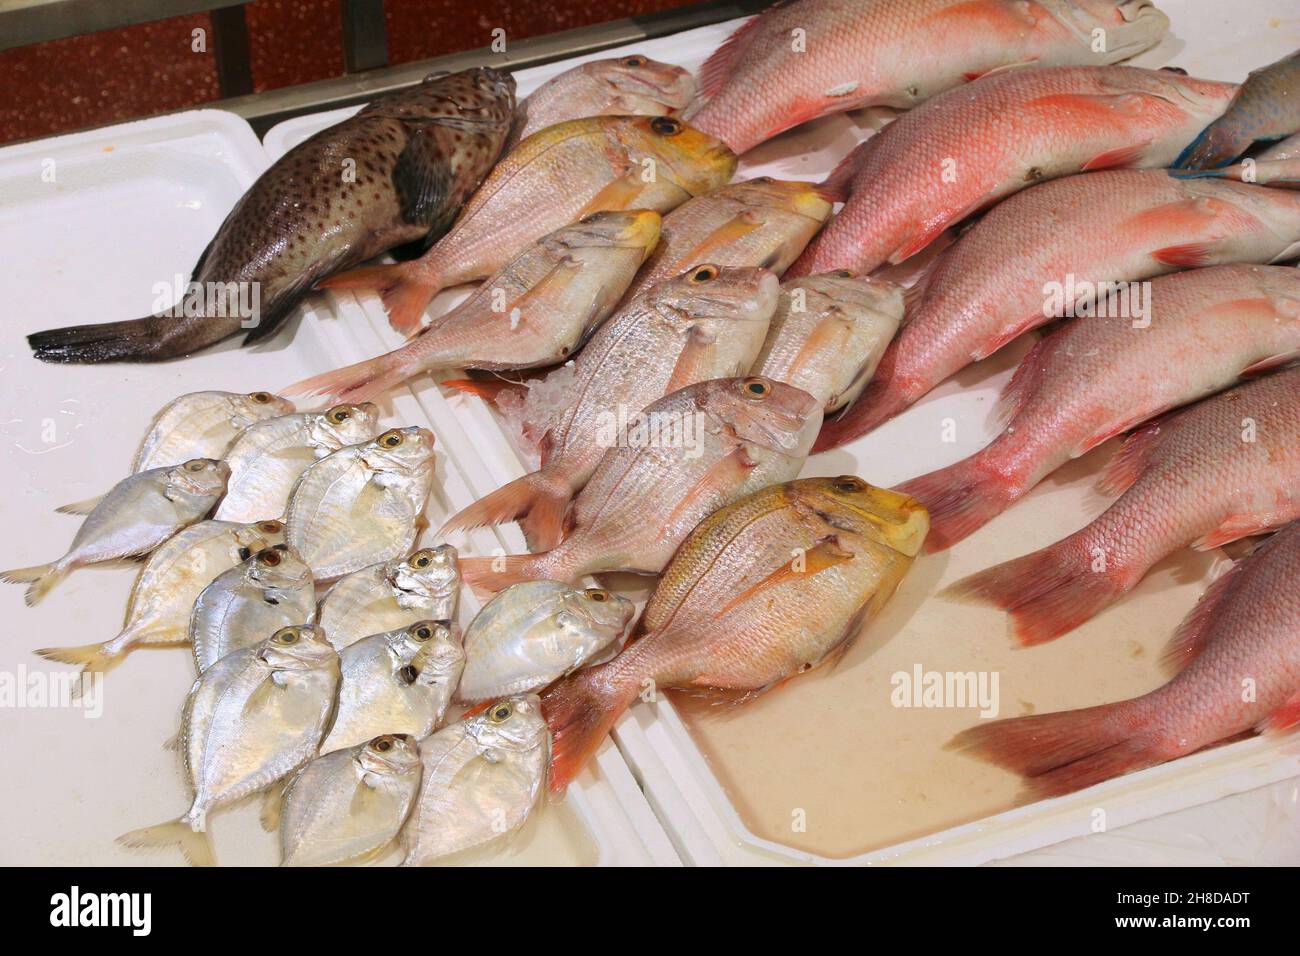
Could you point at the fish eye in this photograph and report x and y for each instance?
(270, 527)
(842, 274)
(665, 126)
(634, 61)
(286, 635)
(422, 559)
(422, 632)
(500, 712)
(196, 464)
(262, 398)
(756, 388)
(339, 414)
(849, 484)
(391, 439)
(599, 595)
(382, 744)
(270, 557)
(704, 274)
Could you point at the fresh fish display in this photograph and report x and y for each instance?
(1267, 108)
(760, 222)
(402, 680)
(482, 777)
(632, 85)
(534, 312)
(362, 504)
(267, 460)
(828, 333)
(158, 613)
(763, 589)
(1048, 252)
(966, 149)
(1103, 375)
(270, 590)
(707, 323)
(681, 459)
(398, 172)
(137, 515)
(1245, 625)
(204, 425)
(254, 717)
(535, 632)
(554, 178)
(348, 806)
(798, 61)
(1223, 469)
(392, 595)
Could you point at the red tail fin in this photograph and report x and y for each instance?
(541, 502)
(360, 382)
(405, 289)
(1061, 753)
(961, 499)
(581, 710)
(1047, 593)
(490, 575)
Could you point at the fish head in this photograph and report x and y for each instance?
(635, 82)
(804, 199)
(622, 229)
(437, 655)
(707, 291)
(692, 160)
(763, 412)
(867, 298)
(344, 425)
(429, 572)
(198, 478)
(400, 449)
(512, 724)
(277, 569)
(258, 535)
(389, 755)
(299, 647)
(597, 611)
(482, 93)
(898, 521)
(256, 407)
(1130, 26)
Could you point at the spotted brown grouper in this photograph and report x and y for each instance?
(394, 174)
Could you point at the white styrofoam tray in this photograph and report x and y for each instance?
(680, 782)
(88, 224)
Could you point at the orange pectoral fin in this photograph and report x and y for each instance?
(621, 193)
(1117, 158)
(1286, 717)
(826, 554)
(725, 475)
(1234, 528)
(730, 232)
(694, 361)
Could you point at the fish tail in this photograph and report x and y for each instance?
(1063, 752)
(92, 658)
(41, 577)
(404, 287)
(135, 340)
(580, 711)
(360, 382)
(488, 575)
(540, 502)
(961, 499)
(195, 844)
(1047, 593)
(488, 389)
(1217, 145)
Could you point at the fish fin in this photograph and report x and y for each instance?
(363, 797)
(41, 577)
(1270, 363)
(488, 575)
(881, 400)
(694, 360)
(718, 67)
(421, 176)
(961, 499)
(91, 658)
(722, 476)
(581, 709)
(1194, 632)
(1188, 255)
(359, 382)
(1286, 717)
(826, 554)
(621, 193)
(1024, 380)
(1047, 593)
(838, 186)
(133, 340)
(542, 503)
(1234, 528)
(972, 75)
(272, 804)
(80, 507)
(196, 845)
(261, 695)
(404, 288)
(1111, 431)
(173, 742)
(729, 232)
(1063, 752)
(488, 389)
(1214, 146)
(932, 231)
(1116, 158)
(1131, 460)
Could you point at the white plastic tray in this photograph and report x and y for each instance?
(685, 787)
(129, 206)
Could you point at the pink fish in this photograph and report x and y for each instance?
(1034, 256)
(968, 148)
(800, 60)
(1244, 626)
(1102, 375)
(1223, 469)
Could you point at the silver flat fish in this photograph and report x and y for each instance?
(203, 425)
(392, 595)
